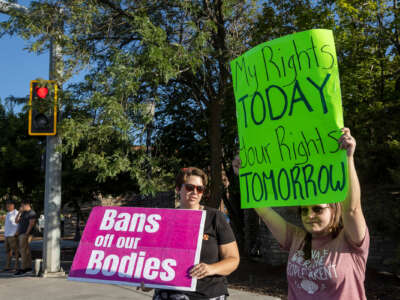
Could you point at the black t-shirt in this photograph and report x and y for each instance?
(217, 232)
(24, 221)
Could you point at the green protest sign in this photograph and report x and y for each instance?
(289, 115)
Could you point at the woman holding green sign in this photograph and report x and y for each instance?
(327, 259)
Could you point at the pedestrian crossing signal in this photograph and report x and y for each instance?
(43, 107)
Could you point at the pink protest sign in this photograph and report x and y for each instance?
(130, 245)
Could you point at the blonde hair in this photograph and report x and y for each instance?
(336, 224)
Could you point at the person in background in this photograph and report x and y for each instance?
(225, 197)
(26, 220)
(40, 224)
(62, 222)
(219, 252)
(327, 259)
(236, 164)
(10, 241)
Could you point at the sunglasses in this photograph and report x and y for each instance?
(316, 209)
(191, 187)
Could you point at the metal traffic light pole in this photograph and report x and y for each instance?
(52, 196)
(52, 201)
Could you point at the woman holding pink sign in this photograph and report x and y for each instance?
(219, 252)
(327, 259)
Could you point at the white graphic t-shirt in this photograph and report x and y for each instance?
(336, 269)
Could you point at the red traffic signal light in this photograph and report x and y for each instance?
(41, 92)
(43, 107)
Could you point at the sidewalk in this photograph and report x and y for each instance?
(38, 288)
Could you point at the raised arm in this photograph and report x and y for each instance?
(353, 217)
(13, 219)
(275, 223)
(18, 217)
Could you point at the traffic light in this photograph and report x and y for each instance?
(43, 107)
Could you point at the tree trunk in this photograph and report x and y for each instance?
(214, 135)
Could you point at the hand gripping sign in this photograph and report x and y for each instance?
(129, 245)
(289, 115)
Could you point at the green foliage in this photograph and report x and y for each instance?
(367, 35)
(20, 158)
(139, 52)
(367, 44)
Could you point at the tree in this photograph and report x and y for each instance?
(140, 51)
(370, 62)
(21, 159)
(367, 44)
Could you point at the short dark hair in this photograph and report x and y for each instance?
(26, 201)
(10, 201)
(184, 173)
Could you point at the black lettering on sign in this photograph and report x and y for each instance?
(254, 154)
(277, 101)
(297, 182)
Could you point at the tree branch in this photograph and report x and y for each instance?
(7, 7)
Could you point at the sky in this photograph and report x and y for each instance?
(18, 66)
